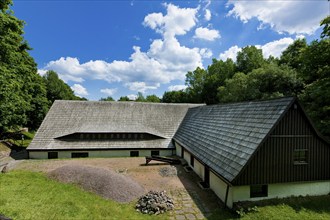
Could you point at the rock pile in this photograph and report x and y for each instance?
(154, 203)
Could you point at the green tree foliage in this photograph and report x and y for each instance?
(326, 27)
(195, 81)
(292, 56)
(152, 98)
(109, 98)
(140, 97)
(57, 89)
(269, 81)
(22, 93)
(124, 99)
(249, 58)
(175, 97)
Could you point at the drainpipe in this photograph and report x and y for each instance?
(227, 191)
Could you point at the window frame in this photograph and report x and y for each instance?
(134, 153)
(155, 153)
(79, 154)
(300, 156)
(51, 155)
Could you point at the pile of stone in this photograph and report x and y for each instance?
(154, 203)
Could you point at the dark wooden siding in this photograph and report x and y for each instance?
(273, 162)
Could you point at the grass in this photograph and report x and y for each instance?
(31, 195)
(28, 136)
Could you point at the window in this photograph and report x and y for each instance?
(192, 160)
(52, 155)
(155, 153)
(300, 156)
(258, 191)
(78, 155)
(134, 153)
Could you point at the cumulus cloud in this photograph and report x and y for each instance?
(274, 48)
(132, 96)
(206, 34)
(79, 90)
(230, 53)
(109, 92)
(141, 86)
(164, 61)
(207, 15)
(293, 17)
(177, 87)
(177, 21)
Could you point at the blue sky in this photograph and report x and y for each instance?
(118, 48)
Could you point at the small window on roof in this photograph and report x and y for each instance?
(300, 156)
(258, 191)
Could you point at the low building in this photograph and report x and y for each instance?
(255, 150)
(107, 129)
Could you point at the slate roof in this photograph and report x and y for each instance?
(225, 136)
(68, 117)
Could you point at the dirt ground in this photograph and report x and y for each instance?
(192, 202)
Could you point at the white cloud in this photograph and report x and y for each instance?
(177, 87)
(177, 21)
(206, 34)
(141, 86)
(79, 90)
(293, 17)
(109, 92)
(274, 48)
(230, 53)
(165, 60)
(132, 96)
(207, 15)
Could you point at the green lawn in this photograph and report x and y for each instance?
(31, 195)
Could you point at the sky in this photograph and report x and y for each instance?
(119, 48)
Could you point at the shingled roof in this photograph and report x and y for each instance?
(70, 117)
(225, 136)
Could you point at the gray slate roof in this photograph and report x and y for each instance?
(67, 117)
(225, 136)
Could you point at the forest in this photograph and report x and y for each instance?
(303, 70)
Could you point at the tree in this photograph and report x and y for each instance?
(249, 58)
(140, 97)
(269, 81)
(57, 89)
(175, 97)
(109, 98)
(326, 29)
(123, 98)
(217, 73)
(195, 81)
(292, 55)
(22, 92)
(152, 98)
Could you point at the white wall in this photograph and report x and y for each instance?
(282, 190)
(199, 169)
(104, 153)
(178, 149)
(219, 187)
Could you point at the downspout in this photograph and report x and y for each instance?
(227, 191)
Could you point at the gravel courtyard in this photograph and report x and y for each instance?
(191, 202)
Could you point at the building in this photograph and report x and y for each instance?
(107, 129)
(242, 151)
(255, 150)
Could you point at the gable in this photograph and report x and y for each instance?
(274, 161)
(224, 137)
